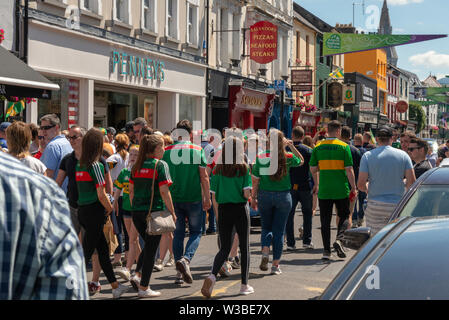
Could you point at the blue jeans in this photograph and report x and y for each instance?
(194, 214)
(212, 227)
(305, 197)
(274, 208)
(359, 213)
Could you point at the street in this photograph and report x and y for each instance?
(304, 275)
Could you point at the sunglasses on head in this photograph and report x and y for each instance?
(47, 127)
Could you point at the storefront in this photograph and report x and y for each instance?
(249, 108)
(107, 82)
(308, 121)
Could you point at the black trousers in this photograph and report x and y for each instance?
(232, 215)
(92, 218)
(326, 206)
(145, 263)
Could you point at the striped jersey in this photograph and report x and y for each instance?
(332, 156)
(122, 183)
(184, 160)
(87, 181)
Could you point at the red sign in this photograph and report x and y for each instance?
(264, 42)
(401, 106)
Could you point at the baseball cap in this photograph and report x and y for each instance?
(111, 130)
(385, 131)
(4, 126)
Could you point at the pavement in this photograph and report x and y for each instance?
(304, 275)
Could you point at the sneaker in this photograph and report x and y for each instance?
(326, 255)
(308, 246)
(170, 262)
(94, 288)
(208, 286)
(355, 224)
(276, 270)
(301, 232)
(225, 270)
(124, 273)
(339, 248)
(235, 263)
(246, 289)
(183, 267)
(264, 263)
(179, 278)
(135, 281)
(291, 248)
(360, 222)
(158, 266)
(121, 289)
(148, 293)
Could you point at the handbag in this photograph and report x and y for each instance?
(158, 222)
(110, 236)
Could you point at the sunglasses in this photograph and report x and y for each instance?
(47, 127)
(72, 137)
(411, 149)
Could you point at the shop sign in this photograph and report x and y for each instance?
(252, 100)
(302, 80)
(137, 67)
(367, 93)
(334, 94)
(368, 118)
(263, 42)
(366, 106)
(402, 106)
(349, 93)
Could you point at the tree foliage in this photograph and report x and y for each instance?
(418, 114)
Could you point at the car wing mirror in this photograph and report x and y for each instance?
(355, 238)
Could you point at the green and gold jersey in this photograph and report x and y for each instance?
(332, 156)
(87, 182)
(122, 183)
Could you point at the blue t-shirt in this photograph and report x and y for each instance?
(3, 143)
(52, 156)
(386, 168)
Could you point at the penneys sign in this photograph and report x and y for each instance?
(137, 67)
(264, 42)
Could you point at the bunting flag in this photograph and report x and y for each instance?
(372, 140)
(14, 108)
(341, 43)
(337, 74)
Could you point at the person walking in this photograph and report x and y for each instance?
(405, 140)
(231, 189)
(18, 135)
(331, 166)
(138, 124)
(367, 141)
(271, 195)
(34, 146)
(94, 206)
(356, 157)
(417, 150)
(301, 192)
(384, 169)
(57, 146)
(191, 195)
(41, 256)
(42, 144)
(359, 211)
(443, 153)
(148, 167)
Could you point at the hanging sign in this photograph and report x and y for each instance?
(302, 80)
(263, 42)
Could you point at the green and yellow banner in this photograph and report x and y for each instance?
(14, 108)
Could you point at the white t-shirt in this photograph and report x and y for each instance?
(118, 164)
(34, 164)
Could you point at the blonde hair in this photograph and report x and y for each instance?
(122, 143)
(18, 136)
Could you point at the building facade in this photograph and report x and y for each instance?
(116, 60)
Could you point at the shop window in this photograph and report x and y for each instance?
(236, 37)
(123, 10)
(188, 108)
(58, 104)
(149, 15)
(171, 27)
(91, 5)
(298, 46)
(192, 24)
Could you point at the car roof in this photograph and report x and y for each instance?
(415, 265)
(437, 176)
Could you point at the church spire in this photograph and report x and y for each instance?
(386, 28)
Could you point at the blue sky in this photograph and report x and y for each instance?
(407, 17)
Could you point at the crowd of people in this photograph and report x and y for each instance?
(111, 177)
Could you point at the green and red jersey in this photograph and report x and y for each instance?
(260, 171)
(122, 183)
(87, 181)
(184, 160)
(143, 180)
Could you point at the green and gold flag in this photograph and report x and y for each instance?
(14, 108)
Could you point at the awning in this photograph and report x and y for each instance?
(19, 80)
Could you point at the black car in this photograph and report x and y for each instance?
(408, 259)
(428, 196)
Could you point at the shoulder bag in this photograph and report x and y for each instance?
(158, 222)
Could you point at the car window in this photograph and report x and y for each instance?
(428, 201)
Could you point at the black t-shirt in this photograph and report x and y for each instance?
(442, 152)
(301, 175)
(68, 164)
(422, 167)
(356, 158)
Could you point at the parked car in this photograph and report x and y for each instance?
(408, 259)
